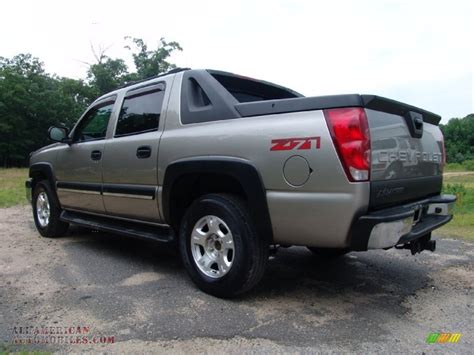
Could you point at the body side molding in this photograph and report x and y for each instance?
(117, 190)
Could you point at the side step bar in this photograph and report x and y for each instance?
(126, 228)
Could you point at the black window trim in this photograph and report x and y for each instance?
(141, 91)
(135, 133)
(109, 100)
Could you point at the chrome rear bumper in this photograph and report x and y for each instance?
(403, 224)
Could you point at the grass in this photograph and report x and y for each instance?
(454, 167)
(12, 187)
(467, 165)
(462, 225)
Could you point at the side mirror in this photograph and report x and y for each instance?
(58, 134)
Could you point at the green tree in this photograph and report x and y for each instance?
(107, 75)
(459, 139)
(30, 102)
(149, 63)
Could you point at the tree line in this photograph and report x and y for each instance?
(459, 139)
(32, 100)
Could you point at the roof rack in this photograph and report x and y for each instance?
(172, 71)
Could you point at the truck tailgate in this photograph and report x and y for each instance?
(406, 157)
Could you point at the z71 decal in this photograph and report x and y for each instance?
(296, 143)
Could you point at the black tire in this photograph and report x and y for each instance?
(329, 253)
(251, 250)
(55, 227)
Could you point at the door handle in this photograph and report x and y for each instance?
(96, 155)
(143, 152)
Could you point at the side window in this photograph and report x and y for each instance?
(94, 125)
(140, 113)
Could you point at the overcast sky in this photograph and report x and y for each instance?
(420, 52)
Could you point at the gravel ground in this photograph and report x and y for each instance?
(139, 293)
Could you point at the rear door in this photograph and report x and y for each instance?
(130, 176)
(79, 165)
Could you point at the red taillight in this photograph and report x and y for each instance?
(350, 134)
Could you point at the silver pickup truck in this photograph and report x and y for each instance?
(228, 167)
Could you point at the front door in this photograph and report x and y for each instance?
(79, 165)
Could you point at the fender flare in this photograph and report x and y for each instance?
(238, 169)
(45, 169)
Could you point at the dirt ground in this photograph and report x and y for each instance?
(138, 294)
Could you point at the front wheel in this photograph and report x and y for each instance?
(220, 248)
(46, 211)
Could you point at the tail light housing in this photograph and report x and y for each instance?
(350, 133)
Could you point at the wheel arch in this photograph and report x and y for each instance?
(43, 171)
(187, 179)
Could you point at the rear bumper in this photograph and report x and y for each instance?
(402, 224)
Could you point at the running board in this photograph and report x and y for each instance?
(116, 226)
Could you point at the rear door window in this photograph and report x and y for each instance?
(140, 113)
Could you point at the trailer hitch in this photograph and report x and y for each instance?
(420, 244)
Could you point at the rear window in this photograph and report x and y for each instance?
(247, 90)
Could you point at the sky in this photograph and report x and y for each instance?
(419, 52)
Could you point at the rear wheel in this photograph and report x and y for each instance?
(46, 211)
(329, 253)
(219, 246)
